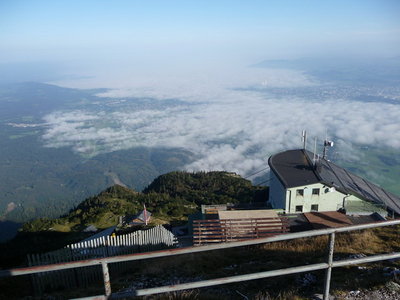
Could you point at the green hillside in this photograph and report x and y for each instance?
(169, 197)
(207, 187)
(41, 181)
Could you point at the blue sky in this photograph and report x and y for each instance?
(179, 31)
(200, 52)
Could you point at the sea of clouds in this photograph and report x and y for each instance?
(226, 120)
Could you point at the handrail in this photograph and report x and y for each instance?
(171, 252)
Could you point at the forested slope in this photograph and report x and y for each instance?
(169, 197)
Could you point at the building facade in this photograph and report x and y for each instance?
(300, 184)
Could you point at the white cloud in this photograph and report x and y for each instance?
(226, 128)
(190, 83)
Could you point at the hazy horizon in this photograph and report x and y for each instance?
(87, 38)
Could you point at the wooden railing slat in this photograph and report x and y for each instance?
(210, 231)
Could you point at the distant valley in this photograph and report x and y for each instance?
(59, 146)
(40, 181)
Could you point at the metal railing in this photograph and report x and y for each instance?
(328, 265)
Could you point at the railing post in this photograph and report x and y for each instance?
(329, 269)
(106, 278)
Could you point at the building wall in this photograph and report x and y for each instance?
(277, 192)
(313, 197)
(323, 198)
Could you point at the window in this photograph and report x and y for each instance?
(299, 193)
(314, 207)
(315, 191)
(299, 208)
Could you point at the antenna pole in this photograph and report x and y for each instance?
(326, 145)
(304, 138)
(315, 150)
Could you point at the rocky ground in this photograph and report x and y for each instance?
(391, 291)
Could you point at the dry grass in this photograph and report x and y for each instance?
(303, 245)
(370, 241)
(181, 295)
(366, 242)
(229, 262)
(196, 295)
(285, 295)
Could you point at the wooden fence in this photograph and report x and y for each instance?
(152, 239)
(218, 231)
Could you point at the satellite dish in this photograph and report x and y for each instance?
(326, 144)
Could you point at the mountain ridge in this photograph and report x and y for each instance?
(170, 197)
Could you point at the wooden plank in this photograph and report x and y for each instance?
(223, 228)
(231, 236)
(227, 232)
(238, 234)
(208, 229)
(248, 220)
(207, 223)
(226, 229)
(252, 224)
(238, 228)
(247, 214)
(209, 236)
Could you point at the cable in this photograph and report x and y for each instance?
(256, 173)
(263, 182)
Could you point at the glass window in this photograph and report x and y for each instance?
(299, 208)
(315, 191)
(314, 207)
(299, 192)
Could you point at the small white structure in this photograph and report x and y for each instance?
(299, 183)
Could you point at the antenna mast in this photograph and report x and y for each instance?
(315, 150)
(304, 138)
(326, 145)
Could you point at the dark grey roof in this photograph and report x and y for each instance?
(295, 168)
